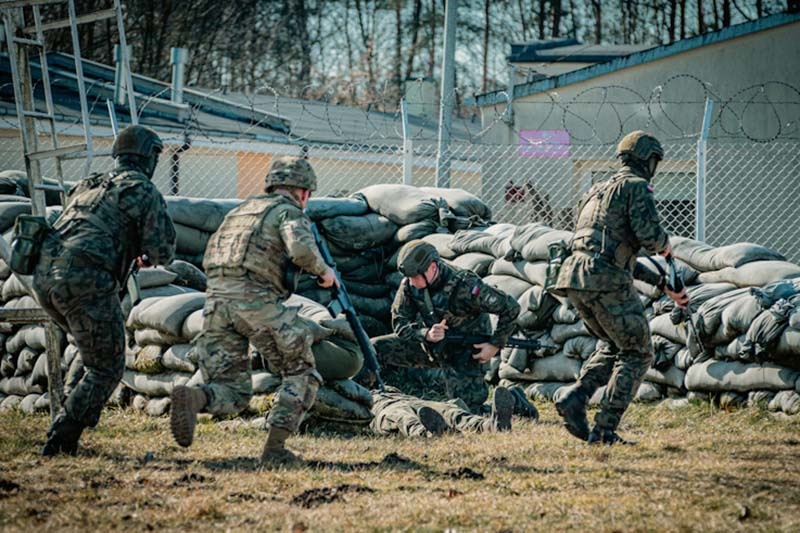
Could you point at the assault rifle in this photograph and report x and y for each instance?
(674, 282)
(341, 304)
(466, 341)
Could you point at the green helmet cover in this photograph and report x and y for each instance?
(291, 171)
(641, 146)
(415, 257)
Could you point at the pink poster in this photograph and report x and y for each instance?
(548, 144)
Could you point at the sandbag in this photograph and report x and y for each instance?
(664, 351)
(154, 292)
(537, 249)
(22, 302)
(402, 204)
(330, 405)
(169, 313)
(537, 307)
(10, 403)
(28, 403)
(200, 213)
(358, 233)
(327, 207)
(562, 332)
(687, 273)
(369, 290)
(417, 230)
(581, 347)
(13, 288)
(25, 361)
(672, 376)
(193, 325)
(337, 358)
(510, 285)
(157, 406)
(188, 275)
(526, 233)
(16, 386)
(461, 202)
(787, 401)
(442, 241)
(191, 240)
(352, 391)
(377, 307)
(556, 367)
(742, 253)
(565, 314)
(698, 295)
(663, 326)
(39, 373)
(723, 375)
(739, 314)
(29, 335)
(754, 274)
(497, 245)
(534, 273)
(9, 211)
(544, 390)
(477, 262)
(148, 360)
(683, 359)
(154, 385)
(647, 392)
(155, 277)
(177, 358)
(143, 337)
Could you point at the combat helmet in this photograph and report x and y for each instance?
(415, 257)
(291, 171)
(640, 145)
(137, 140)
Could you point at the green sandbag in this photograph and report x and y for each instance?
(352, 391)
(168, 314)
(337, 358)
(191, 240)
(330, 405)
(188, 275)
(200, 213)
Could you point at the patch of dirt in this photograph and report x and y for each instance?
(7, 487)
(190, 478)
(315, 497)
(464, 472)
(392, 460)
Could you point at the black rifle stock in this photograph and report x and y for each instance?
(341, 304)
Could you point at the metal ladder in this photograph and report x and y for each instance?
(19, 39)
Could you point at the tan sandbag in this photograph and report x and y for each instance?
(188, 275)
(510, 285)
(581, 347)
(148, 360)
(417, 230)
(461, 202)
(545, 390)
(760, 398)
(168, 314)
(193, 325)
(352, 391)
(563, 332)
(327, 207)
(728, 375)
(28, 403)
(556, 367)
(13, 288)
(496, 243)
(537, 249)
(756, 274)
(144, 337)
(739, 314)
(565, 314)
(476, 262)
(672, 376)
(330, 405)
(16, 386)
(265, 382)
(26, 360)
(442, 241)
(155, 277)
(157, 406)
(10, 403)
(647, 392)
(176, 358)
(153, 292)
(787, 401)
(526, 233)
(154, 385)
(663, 326)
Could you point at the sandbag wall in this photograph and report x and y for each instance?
(746, 348)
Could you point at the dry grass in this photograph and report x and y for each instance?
(695, 468)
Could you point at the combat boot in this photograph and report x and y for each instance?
(522, 406)
(275, 452)
(607, 437)
(63, 436)
(186, 403)
(572, 408)
(432, 421)
(502, 407)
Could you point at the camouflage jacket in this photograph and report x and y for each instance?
(110, 219)
(462, 299)
(616, 219)
(259, 241)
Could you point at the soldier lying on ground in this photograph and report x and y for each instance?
(395, 412)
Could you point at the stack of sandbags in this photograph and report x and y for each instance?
(195, 220)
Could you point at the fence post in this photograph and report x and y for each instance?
(700, 222)
(447, 95)
(408, 147)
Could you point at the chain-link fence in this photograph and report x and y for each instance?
(751, 188)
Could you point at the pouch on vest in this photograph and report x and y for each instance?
(557, 251)
(29, 234)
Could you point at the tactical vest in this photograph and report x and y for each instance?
(248, 242)
(97, 204)
(603, 227)
(442, 304)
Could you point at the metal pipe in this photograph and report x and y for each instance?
(446, 99)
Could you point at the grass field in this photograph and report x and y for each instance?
(695, 468)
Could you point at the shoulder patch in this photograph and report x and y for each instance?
(650, 188)
(476, 290)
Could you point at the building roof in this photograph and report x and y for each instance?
(638, 58)
(263, 117)
(569, 51)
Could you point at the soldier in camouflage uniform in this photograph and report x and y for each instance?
(435, 298)
(246, 261)
(395, 412)
(109, 220)
(616, 219)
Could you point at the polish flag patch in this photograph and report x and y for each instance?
(476, 290)
(649, 188)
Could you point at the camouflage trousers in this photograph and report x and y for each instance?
(85, 303)
(395, 412)
(624, 354)
(464, 379)
(229, 326)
